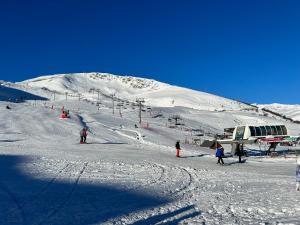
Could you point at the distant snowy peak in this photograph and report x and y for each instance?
(133, 82)
(291, 111)
(154, 92)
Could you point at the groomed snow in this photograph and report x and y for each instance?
(48, 178)
(126, 87)
(291, 111)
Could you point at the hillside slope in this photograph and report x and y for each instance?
(156, 94)
(290, 111)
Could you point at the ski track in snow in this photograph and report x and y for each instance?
(39, 194)
(68, 197)
(19, 209)
(63, 182)
(188, 188)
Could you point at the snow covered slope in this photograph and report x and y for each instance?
(129, 88)
(198, 110)
(291, 111)
(9, 93)
(48, 178)
(129, 174)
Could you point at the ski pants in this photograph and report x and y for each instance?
(240, 158)
(220, 160)
(83, 139)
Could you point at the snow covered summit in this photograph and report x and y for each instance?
(129, 88)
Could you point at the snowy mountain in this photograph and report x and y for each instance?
(291, 111)
(128, 172)
(198, 110)
(155, 93)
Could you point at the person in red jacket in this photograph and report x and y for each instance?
(177, 146)
(83, 134)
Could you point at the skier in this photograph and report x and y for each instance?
(220, 154)
(298, 175)
(239, 152)
(177, 146)
(83, 134)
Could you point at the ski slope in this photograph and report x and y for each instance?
(155, 93)
(291, 111)
(117, 178)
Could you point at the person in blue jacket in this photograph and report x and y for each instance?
(220, 154)
(298, 175)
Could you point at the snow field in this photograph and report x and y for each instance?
(48, 178)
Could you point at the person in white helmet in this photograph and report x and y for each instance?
(298, 174)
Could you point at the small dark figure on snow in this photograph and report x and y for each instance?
(7, 107)
(83, 134)
(239, 152)
(298, 175)
(177, 146)
(220, 154)
(66, 113)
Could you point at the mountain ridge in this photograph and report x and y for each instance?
(154, 92)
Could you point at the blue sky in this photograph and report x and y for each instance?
(247, 50)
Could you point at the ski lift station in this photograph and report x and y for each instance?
(253, 132)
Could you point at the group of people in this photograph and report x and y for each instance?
(64, 113)
(219, 154)
(239, 153)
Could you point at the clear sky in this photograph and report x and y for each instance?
(247, 50)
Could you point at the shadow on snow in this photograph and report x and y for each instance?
(160, 218)
(27, 200)
(194, 156)
(10, 94)
(11, 141)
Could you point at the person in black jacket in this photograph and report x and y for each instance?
(239, 152)
(177, 146)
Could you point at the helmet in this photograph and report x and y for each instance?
(298, 161)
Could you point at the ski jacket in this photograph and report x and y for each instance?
(298, 173)
(219, 152)
(177, 146)
(83, 133)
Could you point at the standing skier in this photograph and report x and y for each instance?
(177, 146)
(220, 154)
(83, 134)
(239, 152)
(298, 175)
